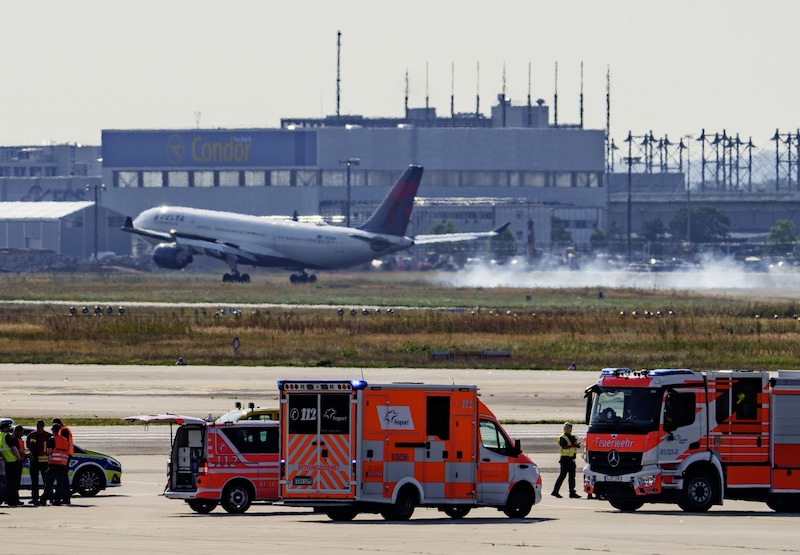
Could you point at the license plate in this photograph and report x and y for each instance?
(303, 481)
(613, 478)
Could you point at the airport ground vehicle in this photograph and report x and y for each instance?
(349, 447)
(90, 472)
(230, 464)
(252, 412)
(694, 438)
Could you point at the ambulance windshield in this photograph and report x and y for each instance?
(625, 409)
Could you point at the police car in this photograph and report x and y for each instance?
(89, 471)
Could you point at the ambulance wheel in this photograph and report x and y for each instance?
(699, 492)
(457, 511)
(626, 505)
(236, 498)
(202, 506)
(519, 503)
(403, 507)
(342, 514)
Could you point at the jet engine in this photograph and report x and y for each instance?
(171, 256)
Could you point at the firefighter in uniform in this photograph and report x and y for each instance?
(569, 445)
(37, 445)
(57, 480)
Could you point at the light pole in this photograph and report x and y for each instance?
(349, 162)
(97, 189)
(688, 188)
(630, 160)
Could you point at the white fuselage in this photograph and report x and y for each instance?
(272, 241)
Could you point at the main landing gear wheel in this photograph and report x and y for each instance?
(303, 278)
(236, 277)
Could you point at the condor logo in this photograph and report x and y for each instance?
(395, 418)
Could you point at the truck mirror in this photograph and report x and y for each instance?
(517, 447)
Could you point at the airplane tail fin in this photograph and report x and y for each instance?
(391, 217)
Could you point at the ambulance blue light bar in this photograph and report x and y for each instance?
(669, 372)
(321, 385)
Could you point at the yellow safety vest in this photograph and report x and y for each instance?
(569, 451)
(5, 450)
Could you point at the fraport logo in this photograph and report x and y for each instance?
(175, 150)
(395, 418)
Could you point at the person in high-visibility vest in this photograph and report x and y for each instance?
(67, 433)
(37, 445)
(56, 483)
(13, 454)
(568, 444)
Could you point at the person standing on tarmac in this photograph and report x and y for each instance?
(56, 488)
(13, 455)
(66, 433)
(569, 445)
(37, 445)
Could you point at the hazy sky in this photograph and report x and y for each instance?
(71, 69)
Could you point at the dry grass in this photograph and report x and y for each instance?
(550, 329)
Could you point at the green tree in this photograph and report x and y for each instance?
(653, 230)
(709, 225)
(781, 238)
(559, 232)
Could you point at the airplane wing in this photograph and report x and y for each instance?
(145, 232)
(215, 249)
(164, 418)
(453, 237)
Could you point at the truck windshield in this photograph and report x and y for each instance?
(625, 409)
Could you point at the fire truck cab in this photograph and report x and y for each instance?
(693, 438)
(350, 447)
(231, 464)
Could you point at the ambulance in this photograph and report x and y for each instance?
(693, 438)
(349, 447)
(230, 464)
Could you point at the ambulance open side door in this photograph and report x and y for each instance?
(318, 441)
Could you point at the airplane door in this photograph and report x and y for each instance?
(319, 446)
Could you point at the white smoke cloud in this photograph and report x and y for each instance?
(722, 275)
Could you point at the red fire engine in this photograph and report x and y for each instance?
(349, 447)
(693, 438)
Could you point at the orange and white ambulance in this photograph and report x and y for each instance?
(231, 464)
(349, 447)
(693, 438)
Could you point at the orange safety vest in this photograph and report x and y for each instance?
(71, 444)
(60, 454)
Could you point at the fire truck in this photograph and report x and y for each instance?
(230, 464)
(349, 447)
(693, 438)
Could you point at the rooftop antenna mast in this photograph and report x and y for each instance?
(555, 100)
(581, 101)
(609, 150)
(427, 98)
(406, 99)
(478, 93)
(338, 70)
(529, 95)
(452, 89)
(503, 96)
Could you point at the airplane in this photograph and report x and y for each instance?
(180, 233)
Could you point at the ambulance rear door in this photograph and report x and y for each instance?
(318, 439)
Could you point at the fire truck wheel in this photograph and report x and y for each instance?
(699, 492)
(202, 506)
(456, 511)
(403, 507)
(519, 503)
(626, 505)
(236, 497)
(342, 514)
(784, 503)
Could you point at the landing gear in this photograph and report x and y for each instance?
(236, 277)
(303, 278)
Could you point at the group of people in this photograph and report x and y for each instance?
(48, 454)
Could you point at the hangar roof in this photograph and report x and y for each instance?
(40, 210)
